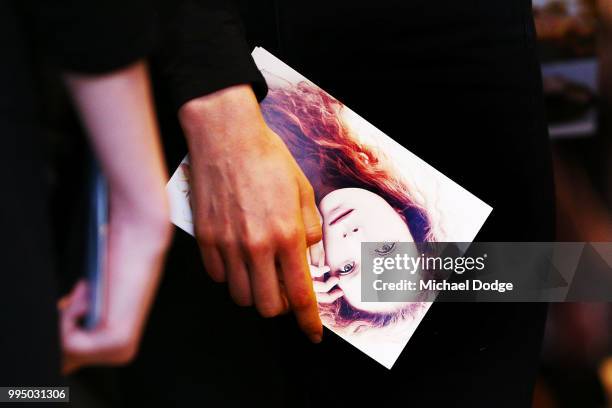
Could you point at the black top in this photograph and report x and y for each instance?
(87, 37)
(197, 47)
(92, 36)
(202, 49)
(458, 84)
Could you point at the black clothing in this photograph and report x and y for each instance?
(84, 37)
(28, 339)
(459, 85)
(87, 37)
(202, 49)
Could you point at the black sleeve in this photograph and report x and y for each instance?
(92, 36)
(202, 49)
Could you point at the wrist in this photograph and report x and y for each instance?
(222, 118)
(150, 218)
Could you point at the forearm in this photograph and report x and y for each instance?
(117, 112)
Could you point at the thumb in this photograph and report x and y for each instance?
(74, 306)
(310, 213)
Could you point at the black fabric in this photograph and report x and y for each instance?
(201, 50)
(92, 36)
(78, 36)
(458, 84)
(39, 39)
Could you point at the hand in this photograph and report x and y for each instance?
(254, 210)
(116, 109)
(137, 245)
(325, 290)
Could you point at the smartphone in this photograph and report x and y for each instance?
(97, 244)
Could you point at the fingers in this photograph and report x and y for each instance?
(320, 286)
(242, 199)
(283, 294)
(101, 346)
(79, 348)
(310, 213)
(324, 290)
(74, 339)
(264, 282)
(77, 297)
(250, 272)
(237, 275)
(298, 283)
(316, 254)
(112, 343)
(73, 307)
(329, 297)
(213, 263)
(211, 254)
(317, 272)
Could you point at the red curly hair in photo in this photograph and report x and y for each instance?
(310, 122)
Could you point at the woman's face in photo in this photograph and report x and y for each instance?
(352, 216)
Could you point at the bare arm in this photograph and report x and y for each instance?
(117, 112)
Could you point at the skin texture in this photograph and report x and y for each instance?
(352, 216)
(117, 112)
(254, 210)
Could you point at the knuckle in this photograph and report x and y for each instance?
(287, 235)
(255, 244)
(226, 240)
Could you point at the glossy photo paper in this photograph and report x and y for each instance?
(368, 189)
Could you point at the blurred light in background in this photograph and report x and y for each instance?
(575, 45)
